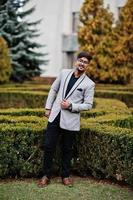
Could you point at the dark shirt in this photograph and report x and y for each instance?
(72, 81)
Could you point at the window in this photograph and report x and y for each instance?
(119, 10)
(75, 21)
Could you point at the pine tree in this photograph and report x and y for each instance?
(19, 34)
(96, 22)
(5, 62)
(96, 25)
(123, 49)
(112, 46)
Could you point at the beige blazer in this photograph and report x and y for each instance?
(81, 96)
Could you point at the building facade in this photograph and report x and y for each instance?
(58, 29)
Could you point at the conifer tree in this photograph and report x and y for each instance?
(112, 46)
(123, 49)
(19, 34)
(96, 25)
(5, 62)
(96, 22)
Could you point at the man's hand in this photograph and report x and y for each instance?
(65, 104)
(47, 113)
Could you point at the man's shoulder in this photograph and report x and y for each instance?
(66, 70)
(90, 82)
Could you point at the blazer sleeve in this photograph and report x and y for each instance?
(87, 100)
(53, 92)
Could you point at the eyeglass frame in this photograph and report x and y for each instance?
(83, 61)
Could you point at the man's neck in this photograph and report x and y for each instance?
(77, 73)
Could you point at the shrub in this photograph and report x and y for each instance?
(5, 62)
(126, 97)
(21, 99)
(103, 149)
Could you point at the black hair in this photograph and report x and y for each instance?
(84, 54)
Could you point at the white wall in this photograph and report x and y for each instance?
(56, 15)
(51, 28)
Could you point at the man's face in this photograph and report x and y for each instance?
(81, 64)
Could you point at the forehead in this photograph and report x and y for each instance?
(83, 58)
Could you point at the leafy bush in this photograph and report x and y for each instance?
(21, 99)
(5, 62)
(103, 148)
(126, 97)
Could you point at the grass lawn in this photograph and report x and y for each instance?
(83, 189)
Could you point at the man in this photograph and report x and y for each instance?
(70, 93)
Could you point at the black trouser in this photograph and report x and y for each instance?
(51, 137)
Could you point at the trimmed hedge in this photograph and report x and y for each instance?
(126, 97)
(17, 95)
(110, 152)
(104, 146)
(23, 111)
(108, 87)
(23, 87)
(21, 99)
(20, 152)
(102, 149)
(101, 107)
(33, 99)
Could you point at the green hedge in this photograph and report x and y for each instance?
(23, 111)
(108, 87)
(126, 97)
(102, 150)
(33, 99)
(21, 99)
(110, 152)
(21, 95)
(23, 87)
(20, 152)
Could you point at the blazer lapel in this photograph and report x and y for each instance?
(66, 83)
(81, 78)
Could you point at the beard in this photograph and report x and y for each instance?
(80, 68)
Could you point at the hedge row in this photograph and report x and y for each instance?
(110, 152)
(106, 134)
(40, 87)
(126, 97)
(108, 87)
(21, 99)
(33, 99)
(101, 107)
(23, 111)
(102, 150)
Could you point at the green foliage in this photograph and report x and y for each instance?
(15, 97)
(21, 99)
(110, 151)
(104, 145)
(19, 34)
(126, 97)
(23, 112)
(102, 148)
(5, 62)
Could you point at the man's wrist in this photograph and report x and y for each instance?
(70, 107)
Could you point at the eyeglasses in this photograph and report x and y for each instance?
(83, 61)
